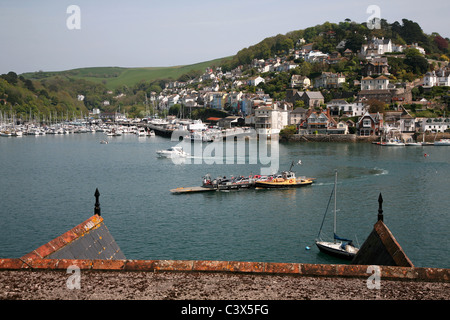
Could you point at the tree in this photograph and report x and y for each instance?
(29, 85)
(416, 62)
(376, 106)
(299, 104)
(441, 43)
(283, 44)
(11, 77)
(288, 130)
(355, 41)
(410, 31)
(175, 109)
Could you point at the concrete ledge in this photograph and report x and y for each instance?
(329, 138)
(266, 268)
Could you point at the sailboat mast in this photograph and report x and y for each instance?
(335, 192)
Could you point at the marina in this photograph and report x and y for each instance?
(50, 178)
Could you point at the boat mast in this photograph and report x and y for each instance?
(335, 187)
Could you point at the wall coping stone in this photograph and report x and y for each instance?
(231, 267)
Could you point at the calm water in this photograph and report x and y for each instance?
(48, 184)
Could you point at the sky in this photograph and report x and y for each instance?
(45, 35)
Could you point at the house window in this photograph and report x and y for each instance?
(366, 123)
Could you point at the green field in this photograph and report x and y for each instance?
(114, 77)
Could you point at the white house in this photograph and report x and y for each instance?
(417, 47)
(435, 124)
(316, 56)
(340, 128)
(300, 81)
(286, 66)
(376, 47)
(439, 78)
(254, 81)
(340, 107)
(380, 83)
(270, 120)
(172, 99)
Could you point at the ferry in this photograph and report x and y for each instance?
(225, 183)
(285, 179)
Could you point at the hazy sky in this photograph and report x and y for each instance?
(137, 33)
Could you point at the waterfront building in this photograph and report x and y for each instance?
(317, 122)
(269, 120)
(434, 124)
(370, 124)
(340, 107)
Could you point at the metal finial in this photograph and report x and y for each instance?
(97, 203)
(380, 207)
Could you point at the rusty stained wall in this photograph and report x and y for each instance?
(89, 240)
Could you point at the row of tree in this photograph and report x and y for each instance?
(328, 35)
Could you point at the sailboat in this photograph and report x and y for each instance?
(339, 247)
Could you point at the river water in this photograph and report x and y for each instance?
(48, 184)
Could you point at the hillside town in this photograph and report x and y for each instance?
(304, 105)
(368, 91)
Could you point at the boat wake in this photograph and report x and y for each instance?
(323, 184)
(378, 172)
(355, 173)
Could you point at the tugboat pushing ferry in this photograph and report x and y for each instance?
(285, 179)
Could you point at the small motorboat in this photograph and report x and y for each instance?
(393, 143)
(172, 152)
(413, 143)
(442, 142)
(141, 132)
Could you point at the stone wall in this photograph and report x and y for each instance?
(329, 138)
(229, 267)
